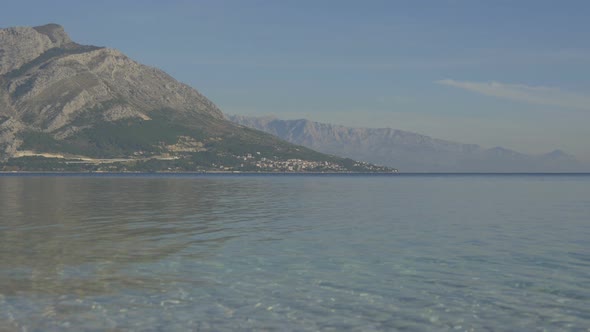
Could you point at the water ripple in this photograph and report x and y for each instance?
(294, 253)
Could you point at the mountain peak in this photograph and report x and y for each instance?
(55, 32)
(19, 45)
(558, 154)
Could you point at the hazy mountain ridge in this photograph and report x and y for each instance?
(410, 152)
(66, 100)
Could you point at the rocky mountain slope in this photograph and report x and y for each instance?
(410, 152)
(89, 105)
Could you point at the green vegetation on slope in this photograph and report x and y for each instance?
(149, 146)
(123, 138)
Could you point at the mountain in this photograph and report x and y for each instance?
(66, 106)
(409, 152)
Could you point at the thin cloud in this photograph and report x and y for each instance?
(537, 95)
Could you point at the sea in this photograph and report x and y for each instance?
(401, 252)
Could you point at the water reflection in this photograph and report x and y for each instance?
(293, 253)
(64, 234)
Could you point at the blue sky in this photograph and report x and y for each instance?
(509, 73)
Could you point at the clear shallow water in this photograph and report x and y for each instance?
(420, 253)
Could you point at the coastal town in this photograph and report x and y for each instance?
(274, 164)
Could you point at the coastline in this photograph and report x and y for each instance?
(16, 173)
(238, 173)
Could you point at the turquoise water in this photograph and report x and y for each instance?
(295, 253)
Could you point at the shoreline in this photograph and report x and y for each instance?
(237, 173)
(190, 173)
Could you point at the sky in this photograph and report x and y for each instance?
(496, 73)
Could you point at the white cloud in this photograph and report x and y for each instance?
(538, 95)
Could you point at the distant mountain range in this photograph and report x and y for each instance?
(66, 106)
(407, 151)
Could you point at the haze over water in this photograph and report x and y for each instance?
(478, 252)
